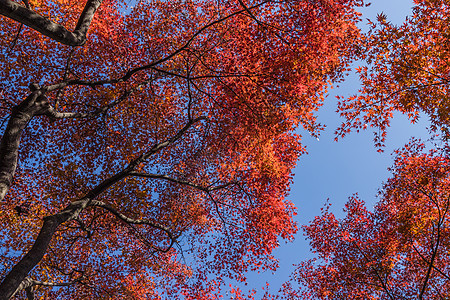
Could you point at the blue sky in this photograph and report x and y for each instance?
(336, 170)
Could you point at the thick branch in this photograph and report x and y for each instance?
(28, 284)
(59, 33)
(13, 281)
(19, 272)
(34, 104)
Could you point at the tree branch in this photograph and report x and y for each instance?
(151, 65)
(431, 263)
(59, 33)
(179, 181)
(20, 271)
(52, 113)
(428, 263)
(14, 279)
(36, 103)
(383, 283)
(129, 220)
(28, 284)
(126, 219)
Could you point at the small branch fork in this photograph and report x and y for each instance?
(131, 221)
(384, 283)
(28, 285)
(440, 222)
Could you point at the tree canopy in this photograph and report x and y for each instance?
(406, 70)
(398, 250)
(147, 148)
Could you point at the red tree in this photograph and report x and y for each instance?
(150, 149)
(407, 71)
(398, 251)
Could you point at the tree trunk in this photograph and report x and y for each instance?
(12, 281)
(34, 104)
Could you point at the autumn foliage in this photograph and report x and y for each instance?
(397, 251)
(407, 70)
(399, 248)
(147, 150)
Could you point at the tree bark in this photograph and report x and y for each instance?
(59, 33)
(36, 103)
(12, 282)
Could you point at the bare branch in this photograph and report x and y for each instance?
(130, 221)
(179, 181)
(28, 284)
(126, 219)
